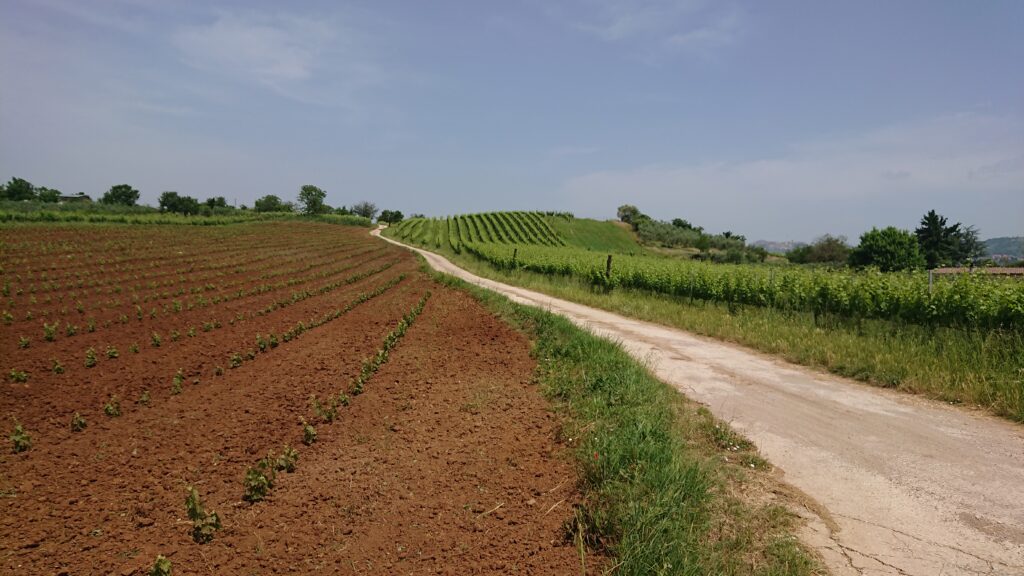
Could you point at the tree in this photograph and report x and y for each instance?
(342, 211)
(939, 243)
(173, 202)
(47, 194)
(629, 214)
(18, 189)
(312, 199)
(365, 209)
(969, 248)
(217, 202)
(270, 203)
(390, 216)
(889, 249)
(121, 194)
(826, 250)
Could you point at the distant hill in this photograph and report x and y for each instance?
(1012, 246)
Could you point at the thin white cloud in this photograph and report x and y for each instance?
(968, 162)
(660, 27)
(272, 50)
(723, 30)
(312, 60)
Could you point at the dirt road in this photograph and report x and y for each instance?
(898, 485)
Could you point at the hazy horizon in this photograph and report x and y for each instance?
(780, 122)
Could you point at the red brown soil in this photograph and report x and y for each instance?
(448, 462)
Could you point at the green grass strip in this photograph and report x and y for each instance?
(658, 496)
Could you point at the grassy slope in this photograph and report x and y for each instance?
(661, 477)
(595, 235)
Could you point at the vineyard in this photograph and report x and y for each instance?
(229, 398)
(457, 232)
(972, 302)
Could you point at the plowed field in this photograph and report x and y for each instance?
(189, 355)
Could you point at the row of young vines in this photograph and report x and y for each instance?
(972, 301)
(456, 232)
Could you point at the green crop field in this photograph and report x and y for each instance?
(960, 338)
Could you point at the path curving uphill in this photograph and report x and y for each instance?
(896, 484)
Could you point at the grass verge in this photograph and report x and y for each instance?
(667, 489)
(957, 366)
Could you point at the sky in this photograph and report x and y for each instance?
(778, 120)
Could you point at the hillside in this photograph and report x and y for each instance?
(1006, 245)
(603, 236)
(518, 228)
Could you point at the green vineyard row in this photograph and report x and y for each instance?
(524, 240)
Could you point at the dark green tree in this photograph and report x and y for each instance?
(365, 209)
(629, 214)
(121, 194)
(391, 216)
(889, 249)
(825, 250)
(270, 203)
(939, 242)
(312, 199)
(217, 202)
(174, 202)
(47, 194)
(969, 248)
(18, 189)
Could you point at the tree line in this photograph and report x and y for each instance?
(934, 243)
(310, 200)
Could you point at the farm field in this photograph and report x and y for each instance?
(334, 406)
(959, 339)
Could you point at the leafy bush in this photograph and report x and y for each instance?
(889, 249)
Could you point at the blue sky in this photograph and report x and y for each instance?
(779, 120)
